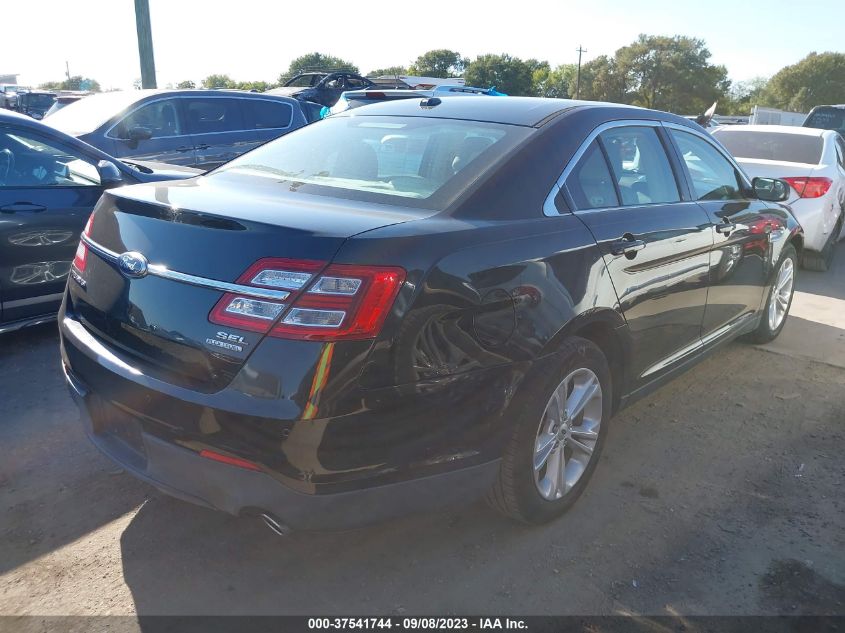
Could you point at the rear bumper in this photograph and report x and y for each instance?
(182, 473)
(818, 218)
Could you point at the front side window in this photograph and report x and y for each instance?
(713, 176)
(640, 166)
(27, 160)
(415, 160)
(590, 183)
(210, 115)
(160, 117)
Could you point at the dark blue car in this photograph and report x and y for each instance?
(196, 128)
(49, 183)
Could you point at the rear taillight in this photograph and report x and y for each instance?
(810, 187)
(338, 302)
(81, 256)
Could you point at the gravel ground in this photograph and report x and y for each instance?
(719, 494)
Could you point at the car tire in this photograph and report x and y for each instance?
(820, 262)
(770, 327)
(528, 494)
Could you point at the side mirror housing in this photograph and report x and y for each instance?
(110, 175)
(770, 189)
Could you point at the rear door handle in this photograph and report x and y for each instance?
(19, 207)
(202, 146)
(185, 148)
(726, 228)
(627, 245)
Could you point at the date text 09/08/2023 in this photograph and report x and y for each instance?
(411, 623)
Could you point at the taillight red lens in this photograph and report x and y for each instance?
(810, 187)
(81, 256)
(343, 302)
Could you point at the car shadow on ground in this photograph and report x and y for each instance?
(695, 508)
(48, 468)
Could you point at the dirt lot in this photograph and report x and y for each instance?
(719, 494)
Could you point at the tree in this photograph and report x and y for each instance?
(218, 81)
(257, 86)
(600, 81)
(817, 79)
(316, 61)
(743, 95)
(507, 74)
(554, 82)
(77, 82)
(390, 71)
(441, 62)
(186, 85)
(671, 73)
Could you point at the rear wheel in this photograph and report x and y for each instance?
(557, 442)
(780, 298)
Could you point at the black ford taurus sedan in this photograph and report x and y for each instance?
(415, 303)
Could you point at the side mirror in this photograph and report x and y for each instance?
(770, 189)
(140, 133)
(110, 175)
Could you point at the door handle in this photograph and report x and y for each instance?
(184, 148)
(19, 207)
(202, 146)
(726, 228)
(627, 245)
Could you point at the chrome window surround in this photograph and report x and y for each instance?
(108, 133)
(157, 270)
(549, 207)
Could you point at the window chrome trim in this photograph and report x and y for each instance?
(138, 106)
(549, 208)
(164, 272)
(714, 143)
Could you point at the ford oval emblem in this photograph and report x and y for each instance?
(132, 265)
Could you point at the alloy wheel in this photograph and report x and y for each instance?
(781, 294)
(568, 434)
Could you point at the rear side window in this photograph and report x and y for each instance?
(161, 117)
(827, 119)
(209, 115)
(840, 151)
(780, 146)
(263, 115)
(713, 176)
(590, 184)
(640, 166)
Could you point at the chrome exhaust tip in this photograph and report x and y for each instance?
(280, 529)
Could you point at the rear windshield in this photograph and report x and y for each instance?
(410, 161)
(827, 119)
(779, 146)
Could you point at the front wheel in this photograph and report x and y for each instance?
(558, 440)
(780, 298)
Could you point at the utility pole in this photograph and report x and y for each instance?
(67, 70)
(578, 77)
(145, 43)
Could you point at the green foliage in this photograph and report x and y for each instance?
(388, 72)
(439, 63)
(555, 82)
(817, 79)
(257, 86)
(510, 75)
(315, 62)
(77, 82)
(186, 85)
(743, 96)
(218, 81)
(600, 81)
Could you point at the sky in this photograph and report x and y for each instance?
(257, 39)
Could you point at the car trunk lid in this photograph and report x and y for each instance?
(196, 236)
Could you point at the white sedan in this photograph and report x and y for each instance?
(813, 163)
